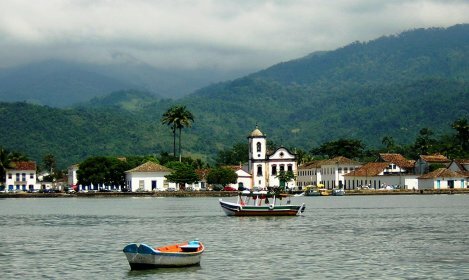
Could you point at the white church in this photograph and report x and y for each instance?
(264, 166)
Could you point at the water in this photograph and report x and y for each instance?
(350, 237)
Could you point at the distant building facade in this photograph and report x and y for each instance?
(21, 176)
(72, 178)
(327, 173)
(265, 166)
(149, 176)
(442, 178)
(425, 162)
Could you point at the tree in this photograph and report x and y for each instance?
(169, 118)
(184, 118)
(284, 178)
(222, 176)
(4, 163)
(177, 117)
(302, 156)
(182, 174)
(388, 141)
(424, 141)
(49, 163)
(462, 127)
(107, 171)
(349, 148)
(6, 157)
(239, 153)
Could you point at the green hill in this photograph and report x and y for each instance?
(391, 86)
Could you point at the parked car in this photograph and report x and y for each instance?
(229, 189)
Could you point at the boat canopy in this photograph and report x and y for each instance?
(262, 194)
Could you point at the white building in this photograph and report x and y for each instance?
(72, 175)
(21, 176)
(461, 166)
(264, 167)
(309, 174)
(442, 178)
(379, 175)
(328, 173)
(424, 163)
(244, 180)
(333, 170)
(148, 177)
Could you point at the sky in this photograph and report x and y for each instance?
(198, 34)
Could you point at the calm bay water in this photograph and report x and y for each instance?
(351, 237)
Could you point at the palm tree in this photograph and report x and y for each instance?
(183, 118)
(177, 117)
(169, 118)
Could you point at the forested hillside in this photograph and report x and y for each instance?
(392, 86)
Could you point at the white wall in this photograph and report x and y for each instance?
(26, 180)
(144, 180)
(429, 184)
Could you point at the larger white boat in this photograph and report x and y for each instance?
(261, 203)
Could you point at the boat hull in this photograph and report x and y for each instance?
(145, 257)
(234, 209)
(338, 192)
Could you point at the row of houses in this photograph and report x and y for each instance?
(264, 166)
(390, 171)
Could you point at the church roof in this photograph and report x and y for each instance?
(150, 166)
(256, 133)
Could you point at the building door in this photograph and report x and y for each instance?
(153, 185)
(451, 184)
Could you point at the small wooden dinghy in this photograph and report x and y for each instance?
(176, 255)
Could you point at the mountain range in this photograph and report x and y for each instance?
(62, 84)
(391, 86)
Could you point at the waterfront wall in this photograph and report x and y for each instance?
(219, 194)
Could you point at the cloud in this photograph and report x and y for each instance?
(205, 33)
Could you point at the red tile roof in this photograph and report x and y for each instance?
(369, 169)
(436, 158)
(23, 165)
(398, 159)
(442, 172)
(332, 161)
(150, 166)
(339, 160)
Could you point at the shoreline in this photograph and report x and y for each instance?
(217, 193)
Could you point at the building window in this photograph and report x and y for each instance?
(290, 168)
(282, 168)
(9, 175)
(31, 176)
(259, 170)
(274, 169)
(141, 184)
(258, 146)
(339, 170)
